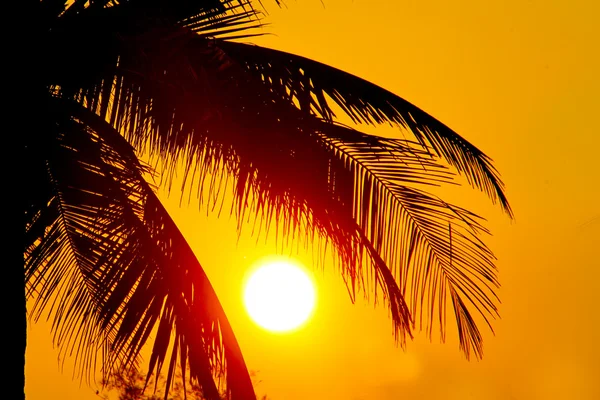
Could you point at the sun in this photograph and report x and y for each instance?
(279, 296)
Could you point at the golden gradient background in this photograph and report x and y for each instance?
(520, 80)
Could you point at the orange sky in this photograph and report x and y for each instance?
(518, 79)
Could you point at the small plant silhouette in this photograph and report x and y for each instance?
(135, 385)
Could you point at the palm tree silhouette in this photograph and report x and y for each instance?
(107, 263)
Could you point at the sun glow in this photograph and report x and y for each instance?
(279, 296)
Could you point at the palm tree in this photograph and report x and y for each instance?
(173, 80)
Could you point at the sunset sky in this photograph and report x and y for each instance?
(519, 79)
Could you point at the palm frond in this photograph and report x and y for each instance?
(105, 259)
(367, 200)
(183, 97)
(431, 246)
(360, 191)
(365, 195)
(310, 83)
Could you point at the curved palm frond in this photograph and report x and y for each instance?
(309, 83)
(423, 251)
(105, 259)
(225, 107)
(364, 193)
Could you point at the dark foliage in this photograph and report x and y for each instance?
(165, 78)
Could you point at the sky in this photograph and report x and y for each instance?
(519, 80)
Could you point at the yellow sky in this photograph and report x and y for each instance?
(520, 80)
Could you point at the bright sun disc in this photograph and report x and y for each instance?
(279, 296)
